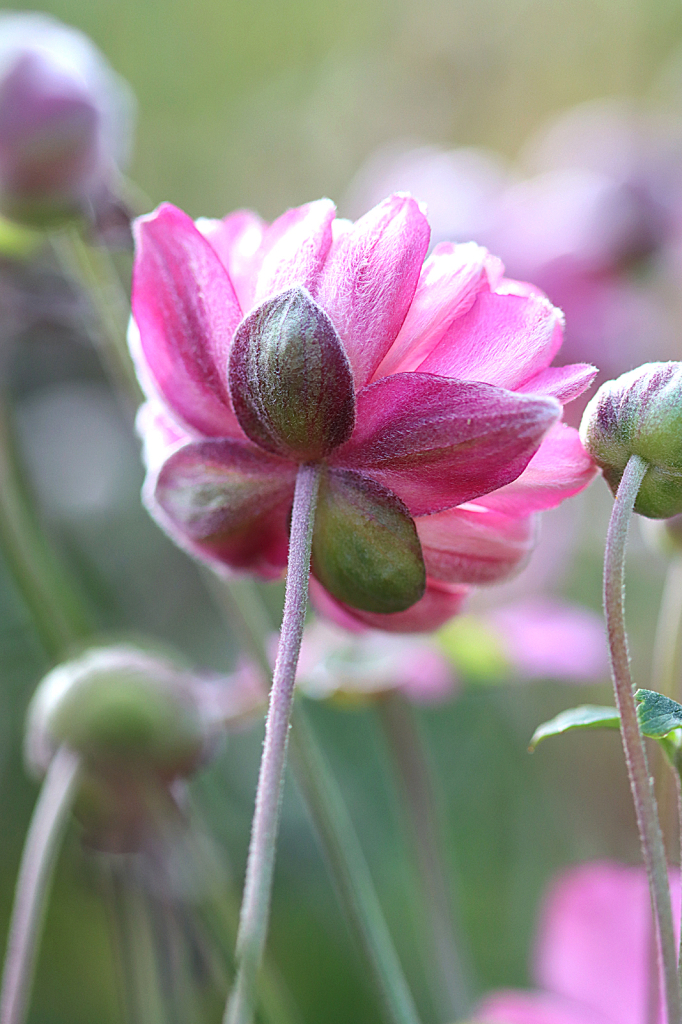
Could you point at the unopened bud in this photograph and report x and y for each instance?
(65, 121)
(640, 414)
(290, 379)
(118, 707)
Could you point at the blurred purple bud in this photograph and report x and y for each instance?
(65, 121)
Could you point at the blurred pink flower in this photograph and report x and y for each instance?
(361, 663)
(545, 638)
(456, 406)
(592, 958)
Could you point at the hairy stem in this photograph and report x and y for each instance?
(633, 744)
(255, 909)
(440, 946)
(35, 875)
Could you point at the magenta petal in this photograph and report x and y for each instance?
(186, 311)
(439, 603)
(593, 940)
(448, 285)
(475, 545)
(370, 277)
(236, 239)
(504, 339)
(226, 501)
(509, 1007)
(294, 249)
(560, 468)
(562, 382)
(159, 433)
(437, 442)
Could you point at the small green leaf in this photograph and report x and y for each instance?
(658, 715)
(587, 716)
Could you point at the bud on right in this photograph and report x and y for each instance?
(640, 413)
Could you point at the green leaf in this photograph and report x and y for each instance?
(658, 715)
(587, 716)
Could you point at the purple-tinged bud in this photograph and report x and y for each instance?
(366, 551)
(65, 121)
(640, 413)
(291, 383)
(119, 708)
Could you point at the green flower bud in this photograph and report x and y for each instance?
(640, 414)
(290, 380)
(118, 708)
(366, 551)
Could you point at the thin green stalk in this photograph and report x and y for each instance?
(57, 612)
(255, 910)
(92, 269)
(38, 860)
(439, 945)
(350, 871)
(633, 744)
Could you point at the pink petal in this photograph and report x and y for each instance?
(449, 282)
(437, 442)
(370, 277)
(509, 1007)
(227, 502)
(593, 940)
(294, 249)
(439, 603)
(472, 544)
(560, 468)
(562, 382)
(502, 340)
(159, 433)
(186, 311)
(237, 238)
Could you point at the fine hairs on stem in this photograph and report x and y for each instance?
(35, 874)
(633, 744)
(261, 860)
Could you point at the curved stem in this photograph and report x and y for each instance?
(350, 871)
(261, 860)
(633, 744)
(35, 874)
(439, 944)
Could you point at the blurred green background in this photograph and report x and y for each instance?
(266, 104)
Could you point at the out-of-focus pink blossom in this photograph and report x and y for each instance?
(593, 956)
(65, 120)
(549, 639)
(456, 405)
(357, 664)
(592, 215)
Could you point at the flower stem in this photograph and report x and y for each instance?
(350, 871)
(439, 945)
(255, 909)
(35, 874)
(58, 615)
(92, 269)
(633, 744)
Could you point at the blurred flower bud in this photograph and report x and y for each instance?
(640, 413)
(65, 121)
(290, 380)
(140, 724)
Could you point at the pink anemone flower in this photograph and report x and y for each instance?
(424, 386)
(593, 958)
